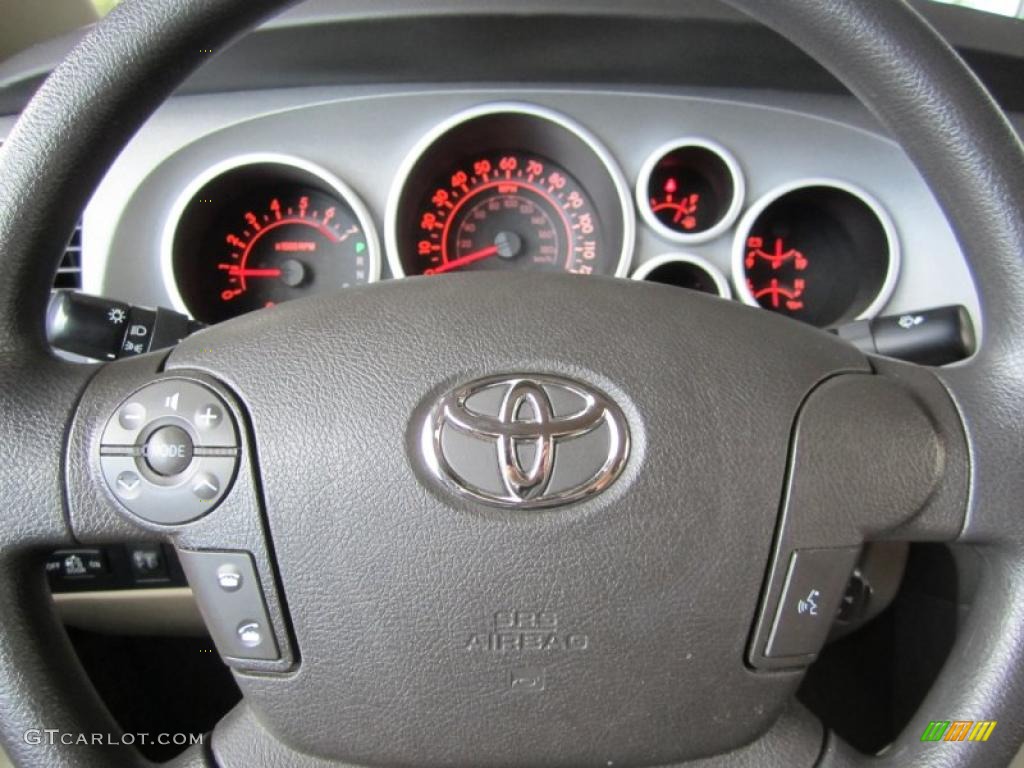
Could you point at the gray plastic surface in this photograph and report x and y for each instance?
(795, 741)
(810, 599)
(203, 481)
(874, 457)
(420, 583)
(362, 136)
(227, 607)
(237, 524)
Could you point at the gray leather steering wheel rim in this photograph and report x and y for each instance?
(77, 122)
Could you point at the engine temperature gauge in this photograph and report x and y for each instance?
(774, 293)
(822, 252)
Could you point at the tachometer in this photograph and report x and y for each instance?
(257, 234)
(510, 187)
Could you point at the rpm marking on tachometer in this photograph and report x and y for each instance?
(280, 249)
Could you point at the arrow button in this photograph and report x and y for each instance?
(128, 485)
(205, 486)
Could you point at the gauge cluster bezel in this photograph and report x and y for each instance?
(531, 128)
(272, 168)
(520, 127)
(363, 138)
(894, 256)
(730, 212)
(647, 270)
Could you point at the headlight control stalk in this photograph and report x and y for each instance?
(103, 329)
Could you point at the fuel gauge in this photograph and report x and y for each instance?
(690, 190)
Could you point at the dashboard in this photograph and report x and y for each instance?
(231, 203)
(318, 156)
(324, 151)
(236, 200)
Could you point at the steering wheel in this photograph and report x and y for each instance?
(639, 619)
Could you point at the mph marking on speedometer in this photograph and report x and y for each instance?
(513, 208)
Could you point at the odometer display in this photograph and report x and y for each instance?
(510, 187)
(283, 245)
(508, 211)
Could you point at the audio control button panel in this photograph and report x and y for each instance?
(170, 451)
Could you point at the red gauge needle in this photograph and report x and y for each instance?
(462, 261)
(236, 271)
(507, 245)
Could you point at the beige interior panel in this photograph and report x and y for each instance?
(170, 611)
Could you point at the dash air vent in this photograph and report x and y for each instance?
(69, 273)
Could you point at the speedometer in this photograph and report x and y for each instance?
(508, 210)
(510, 187)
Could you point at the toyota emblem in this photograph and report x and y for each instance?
(526, 441)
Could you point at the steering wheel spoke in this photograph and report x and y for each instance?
(168, 454)
(877, 457)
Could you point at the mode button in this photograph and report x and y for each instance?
(169, 451)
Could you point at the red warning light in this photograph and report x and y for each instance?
(688, 190)
(682, 212)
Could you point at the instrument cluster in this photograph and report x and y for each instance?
(513, 186)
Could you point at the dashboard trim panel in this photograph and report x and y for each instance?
(363, 134)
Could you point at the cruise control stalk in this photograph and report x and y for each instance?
(932, 337)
